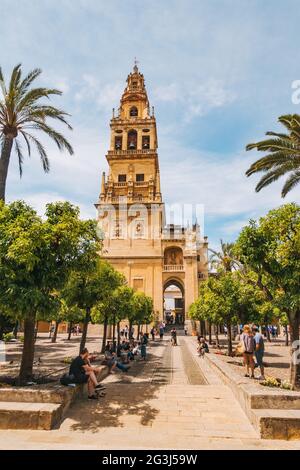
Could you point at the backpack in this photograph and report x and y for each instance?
(67, 379)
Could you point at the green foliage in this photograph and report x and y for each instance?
(142, 308)
(224, 259)
(22, 112)
(283, 155)
(91, 284)
(271, 248)
(37, 257)
(226, 300)
(7, 337)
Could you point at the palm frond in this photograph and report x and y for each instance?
(274, 160)
(26, 82)
(27, 142)
(58, 138)
(272, 176)
(2, 83)
(14, 80)
(35, 94)
(290, 183)
(41, 150)
(20, 156)
(41, 113)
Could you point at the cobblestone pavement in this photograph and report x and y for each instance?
(171, 401)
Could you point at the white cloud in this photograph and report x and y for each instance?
(196, 99)
(217, 181)
(104, 95)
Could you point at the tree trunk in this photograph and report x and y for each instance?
(268, 333)
(15, 330)
(229, 339)
(217, 335)
(85, 328)
(114, 331)
(118, 333)
(4, 164)
(36, 329)
(209, 333)
(202, 328)
(138, 331)
(70, 330)
(28, 351)
(130, 330)
(53, 340)
(286, 335)
(295, 351)
(104, 335)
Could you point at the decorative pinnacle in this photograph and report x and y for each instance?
(135, 67)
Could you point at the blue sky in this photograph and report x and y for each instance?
(219, 73)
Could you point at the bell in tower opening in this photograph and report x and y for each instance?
(132, 140)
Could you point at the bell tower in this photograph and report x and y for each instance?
(132, 157)
(130, 207)
(152, 256)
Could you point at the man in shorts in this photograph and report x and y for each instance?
(259, 351)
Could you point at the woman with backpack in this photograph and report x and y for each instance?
(248, 348)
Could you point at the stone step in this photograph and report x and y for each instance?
(277, 424)
(18, 415)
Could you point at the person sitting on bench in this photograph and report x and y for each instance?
(83, 372)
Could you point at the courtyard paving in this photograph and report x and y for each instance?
(174, 400)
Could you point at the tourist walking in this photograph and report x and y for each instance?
(248, 343)
(144, 342)
(126, 332)
(153, 332)
(174, 337)
(161, 331)
(259, 351)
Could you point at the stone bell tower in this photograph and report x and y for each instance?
(162, 261)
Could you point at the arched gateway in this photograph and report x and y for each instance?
(167, 262)
(174, 312)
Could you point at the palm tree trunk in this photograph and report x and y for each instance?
(295, 362)
(53, 340)
(4, 163)
(26, 368)
(85, 328)
(104, 334)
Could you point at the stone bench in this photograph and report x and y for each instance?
(275, 413)
(39, 407)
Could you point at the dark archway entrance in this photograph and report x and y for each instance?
(174, 302)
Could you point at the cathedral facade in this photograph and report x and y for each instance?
(167, 262)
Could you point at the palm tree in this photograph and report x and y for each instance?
(224, 259)
(21, 113)
(283, 155)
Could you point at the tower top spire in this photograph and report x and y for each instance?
(135, 66)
